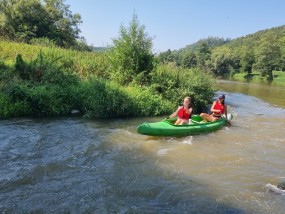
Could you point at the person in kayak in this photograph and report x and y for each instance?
(183, 112)
(218, 109)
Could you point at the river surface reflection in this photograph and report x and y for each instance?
(92, 166)
(270, 93)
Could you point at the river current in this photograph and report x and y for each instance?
(73, 165)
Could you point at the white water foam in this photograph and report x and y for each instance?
(188, 140)
(274, 189)
(162, 152)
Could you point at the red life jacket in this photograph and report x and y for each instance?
(219, 106)
(183, 114)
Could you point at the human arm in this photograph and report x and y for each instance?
(174, 114)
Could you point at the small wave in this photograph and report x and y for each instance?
(275, 189)
(162, 152)
(188, 140)
(124, 131)
(179, 140)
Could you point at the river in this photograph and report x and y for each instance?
(73, 165)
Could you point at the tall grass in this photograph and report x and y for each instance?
(81, 63)
(49, 81)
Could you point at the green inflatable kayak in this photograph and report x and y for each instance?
(167, 128)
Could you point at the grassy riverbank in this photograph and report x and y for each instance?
(278, 77)
(41, 81)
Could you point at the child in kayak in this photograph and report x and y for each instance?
(218, 109)
(183, 112)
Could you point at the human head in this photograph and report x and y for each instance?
(222, 98)
(187, 101)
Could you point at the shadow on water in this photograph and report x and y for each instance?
(73, 165)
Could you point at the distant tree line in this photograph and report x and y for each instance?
(263, 52)
(45, 22)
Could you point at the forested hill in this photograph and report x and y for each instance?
(263, 51)
(254, 40)
(211, 42)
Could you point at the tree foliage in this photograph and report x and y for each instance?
(267, 58)
(247, 60)
(131, 55)
(203, 55)
(25, 20)
(263, 52)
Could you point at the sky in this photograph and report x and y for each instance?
(174, 24)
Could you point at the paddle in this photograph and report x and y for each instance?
(228, 122)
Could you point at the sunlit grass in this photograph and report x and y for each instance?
(82, 63)
(49, 81)
(278, 77)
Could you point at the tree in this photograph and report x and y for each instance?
(247, 60)
(131, 55)
(203, 55)
(267, 58)
(166, 56)
(189, 60)
(29, 19)
(223, 61)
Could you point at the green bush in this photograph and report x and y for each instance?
(174, 83)
(6, 73)
(12, 109)
(147, 103)
(199, 86)
(43, 70)
(52, 82)
(101, 99)
(131, 54)
(42, 88)
(165, 80)
(47, 100)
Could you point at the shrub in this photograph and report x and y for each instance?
(38, 100)
(147, 103)
(42, 100)
(52, 82)
(131, 54)
(101, 99)
(174, 83)
(12, 109)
